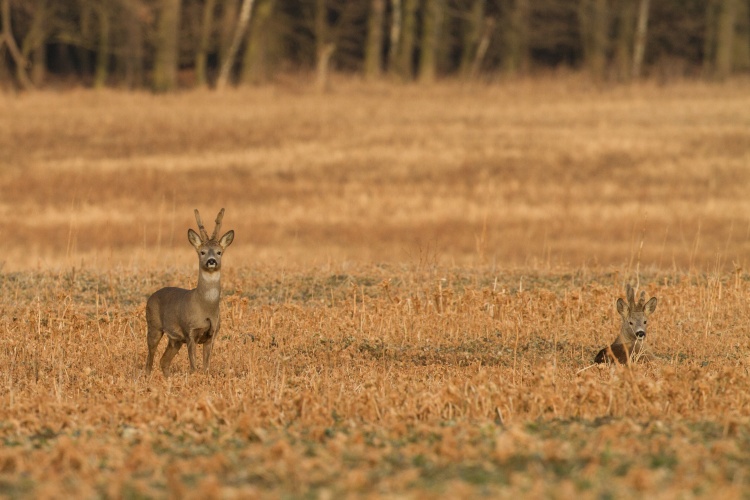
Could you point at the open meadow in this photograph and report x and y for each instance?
(420, 280)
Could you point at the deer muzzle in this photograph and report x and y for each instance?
(640, 334)
(211, 263)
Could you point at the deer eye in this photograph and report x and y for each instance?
(203, 252)
(644, 321)
(631, 323)
(218, 253)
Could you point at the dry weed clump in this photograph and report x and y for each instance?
(380, 380)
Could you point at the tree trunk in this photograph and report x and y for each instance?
(394, 36)
(408, 36)
(374, 47)
(594, 28)
(322, 65)
(428, 54)
(472, 33)
(742, 37)
(261, 43)
(102, 52)
(725, 38)
(133, 53)
(517, 38)
(227, 24)
(167, 46)
(201, 56)
(239, 34)
(625, 12)
(321, 26)
(82, 51)
(600, 39)
(639, 45)
(709, 43)
(324, 48)
(5, 78)
(484, 43)
(39, 64)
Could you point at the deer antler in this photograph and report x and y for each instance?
(642, 299)
(204, 233)
(631, 296)
(218, 224)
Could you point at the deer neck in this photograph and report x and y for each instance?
(624, 338)
(209, 287)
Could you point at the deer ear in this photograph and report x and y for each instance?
(622, 308)
(227, 239)
(650, 306)
(194, 239)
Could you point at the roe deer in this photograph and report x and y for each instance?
(628, 346)
(189, 316)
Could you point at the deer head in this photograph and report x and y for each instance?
(635, 315)
(209, 249)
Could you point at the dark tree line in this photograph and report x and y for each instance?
(163, 44)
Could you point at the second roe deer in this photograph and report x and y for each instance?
(189, 316)
(628, 346)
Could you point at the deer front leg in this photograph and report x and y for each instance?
(191, 351)
(207, 347)
(213, 331)
(169, 353)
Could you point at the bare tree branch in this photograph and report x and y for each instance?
(7, 35)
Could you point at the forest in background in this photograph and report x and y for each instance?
(169, 44)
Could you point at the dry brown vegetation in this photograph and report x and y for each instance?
(420, 280)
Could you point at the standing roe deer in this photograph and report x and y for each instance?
(189, 316)
(628, 346)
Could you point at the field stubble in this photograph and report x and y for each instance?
(525, 174)
(420, 281)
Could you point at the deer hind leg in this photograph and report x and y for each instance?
(169, 353)
(153, 338)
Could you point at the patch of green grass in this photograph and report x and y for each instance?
(663, 459)
(16, 487)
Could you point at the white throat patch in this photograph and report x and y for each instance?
(210, 277)
(211, 295)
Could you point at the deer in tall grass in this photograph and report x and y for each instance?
(190, 316)
(628, 346)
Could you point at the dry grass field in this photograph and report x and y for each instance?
(420, 280)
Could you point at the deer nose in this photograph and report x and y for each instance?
(640, 334)
(211, 262)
